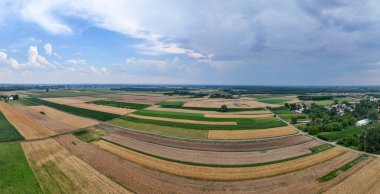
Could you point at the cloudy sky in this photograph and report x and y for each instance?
(269, 42)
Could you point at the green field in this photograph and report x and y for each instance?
(7, 131)
(120, 104)
(335, 135)
(172, 104)
(15, 173)
(259, 123)
(178, 105)
(286, 114)
(342, 169)
(101, 116)
(162, 130)
(21, 101)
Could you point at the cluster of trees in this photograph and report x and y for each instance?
(293, 106)
(315, 98)
(5, 97)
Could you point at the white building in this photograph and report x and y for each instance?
(363, 122)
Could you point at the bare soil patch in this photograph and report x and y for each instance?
(208, 145)
(221, 174)
(58, 171)
(24, 124)
(184, 120)
(252, 134)
(212, 157)
(69, 119)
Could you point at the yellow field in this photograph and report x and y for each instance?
(58, 171)
(252, 134)
(366, 181)
(221, 174)
(75, 121)
(24, 124)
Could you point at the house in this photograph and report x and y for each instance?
(363, 122)
(10, 98)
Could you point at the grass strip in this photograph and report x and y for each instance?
(16, 175)
(317, 150)
(342, 169)
(88, 135)
(97, 115)
(7, 131)
(257, 123)
(211, 109)
(120, 104)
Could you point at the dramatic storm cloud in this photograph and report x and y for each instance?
(294, 42)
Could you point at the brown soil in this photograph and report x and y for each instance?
(183, 120)
(212, 157)
(221, 174)
(58, 171)
(252, 134)
(69, 119)
(209, 145)
(24, 124)
(143, 180)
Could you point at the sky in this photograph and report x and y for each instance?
(237, 42)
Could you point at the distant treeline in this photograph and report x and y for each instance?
(5, 88)
(319, 98)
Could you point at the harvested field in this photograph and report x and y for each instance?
(231, 103)
(209, 145)
(43, 119)
(221, 174)
(237, 116)
(141, 98)
(212, 157)
(81, 104)
(69, 119)
(254, 112)
(24, 124)
(144, 180)
(58, 171)
(366, 180)
(252, 134)
(183, 120)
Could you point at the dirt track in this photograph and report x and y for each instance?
(208, 145)
(58, 171)
(252, 134)
(212, 157)
(24, 124)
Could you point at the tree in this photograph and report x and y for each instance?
(15, 97)
(370, 139)
(294, 120)
(373, 115)
(223, 108)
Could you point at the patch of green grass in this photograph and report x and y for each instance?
(15, 173)
(287, 115)
(173, 104)
(22, 101)
(321, 148)
(101, 116)
(7, 131)
(90, 135)
(335, 135)
(120, 104)
(162, 130)
(342, 169)
(257, 123)
(280, 110)
(220, 165)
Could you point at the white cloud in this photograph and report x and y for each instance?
(48, 49)
(76, 61)
(98, 70)
(13, 63)
(36, 60)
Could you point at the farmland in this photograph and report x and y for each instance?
(162, 145)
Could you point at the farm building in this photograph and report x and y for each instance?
(363, 122)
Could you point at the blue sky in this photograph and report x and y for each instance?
(269, 42)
